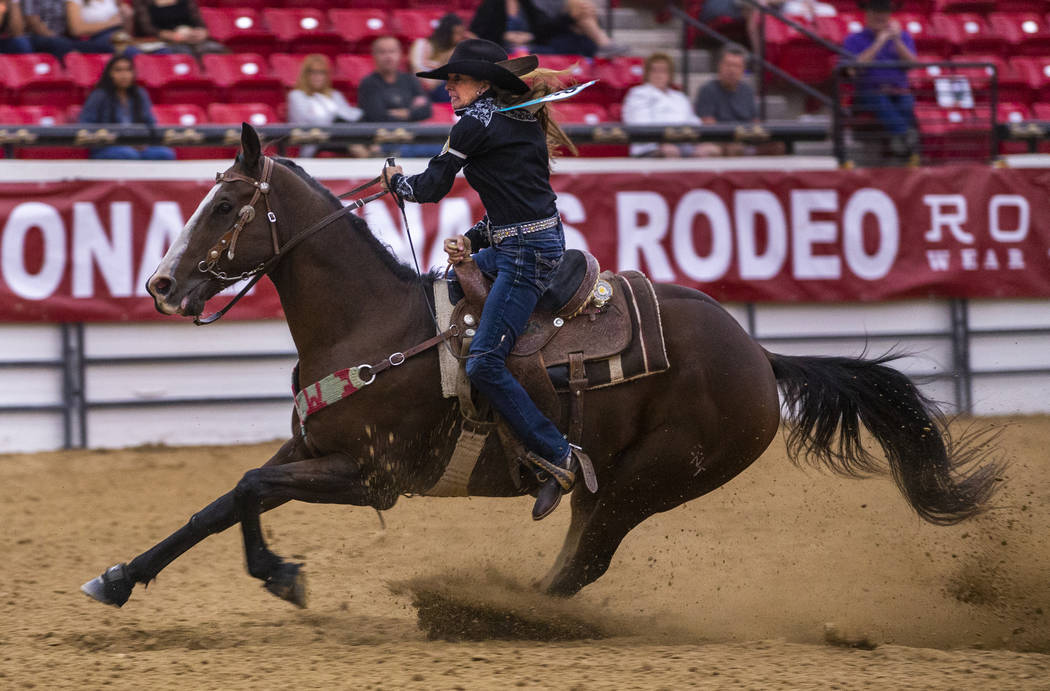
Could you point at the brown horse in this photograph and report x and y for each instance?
(656, 442)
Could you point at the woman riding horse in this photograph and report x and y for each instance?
(505, 156)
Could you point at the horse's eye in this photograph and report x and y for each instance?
(224, 208)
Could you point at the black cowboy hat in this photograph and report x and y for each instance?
(486, 60)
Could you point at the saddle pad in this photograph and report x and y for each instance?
(646, 353)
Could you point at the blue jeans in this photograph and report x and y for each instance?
(130, 153)
(523, 266)
(16, 44)
(896, 111)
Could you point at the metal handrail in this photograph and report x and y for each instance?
(759, 59)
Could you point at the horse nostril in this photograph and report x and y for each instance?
(160, 285)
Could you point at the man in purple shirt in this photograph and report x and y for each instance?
(883, 91)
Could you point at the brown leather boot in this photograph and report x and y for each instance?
(560, 480)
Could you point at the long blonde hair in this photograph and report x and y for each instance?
(311, 62)
(542, 81)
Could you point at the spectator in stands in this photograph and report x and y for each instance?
(313, 102)
(12, 28)
(118, 99)
(429, 53)
(657, 102)
(390, 95)
(728, 98)
(883, 91)
(177, 23)
(86, 26)
(566, 27)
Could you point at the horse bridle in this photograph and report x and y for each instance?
(228, 242)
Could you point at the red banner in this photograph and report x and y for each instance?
(83, 250)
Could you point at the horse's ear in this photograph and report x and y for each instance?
(251, 149)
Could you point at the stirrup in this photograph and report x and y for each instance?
(565, 477)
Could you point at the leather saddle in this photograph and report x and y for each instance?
(579, 313)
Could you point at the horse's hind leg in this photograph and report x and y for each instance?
(115, 585)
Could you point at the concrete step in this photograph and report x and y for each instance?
(645, 41)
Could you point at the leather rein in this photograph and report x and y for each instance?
(228, 242)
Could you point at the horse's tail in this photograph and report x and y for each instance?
(828, 399)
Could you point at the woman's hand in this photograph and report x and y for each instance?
(458, 249)
(388, 174)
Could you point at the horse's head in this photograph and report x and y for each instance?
(228, 237)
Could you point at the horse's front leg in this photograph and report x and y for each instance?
(332, 479)
(114, 586)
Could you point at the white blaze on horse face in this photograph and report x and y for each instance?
(174, 254)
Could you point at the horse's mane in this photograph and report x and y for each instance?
(400, 269)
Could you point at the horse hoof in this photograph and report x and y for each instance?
(113, 587)
(289, 583)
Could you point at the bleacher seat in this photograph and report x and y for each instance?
(927, 38)
(85, 69)
(969, 33)
(244, 78)
(240, 29)
(285, 67)
(1036, 71)
(1026, 33)
(581, 113)
(796, 53)
(303, 30)
(359, 27)
(1041, 111)
(350, 69)
(35, 79)
(617, 75)
(965, 5)
(257, 114)
(174, 79)
(181, 114)
(1013, 84)
(416, 23)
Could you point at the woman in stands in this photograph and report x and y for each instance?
(565, 27)
(313, 102)
(117, 99)
(656, 102)
(177, 23)
(505, 156)
(103, 23)
(428, 53)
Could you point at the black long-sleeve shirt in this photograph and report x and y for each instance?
(504, 158)
(377, 98)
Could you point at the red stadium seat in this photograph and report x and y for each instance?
(927, 38)
(1012, 112)
(174, 79)
(965, 5)
(43, 115)
(581, 113)
(796, 53)
(240, 29)
(1041, 111)
(441, 114)
(1026, 33)
(257, 114)
(244, 78)
(85, 69)
(1036, 71)
(285, 67)
(359, 27)
(11, 115)
(47, 115)
(304, 31)
(969, 33)
(617, 75)
(417, 23)
(954, 133)
(1013, 84)
(578, 69)
(36, 79)
(349, 71)
(181, 114)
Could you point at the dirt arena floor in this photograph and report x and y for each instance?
(785, 578)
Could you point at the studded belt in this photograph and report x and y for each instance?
(498, 234)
